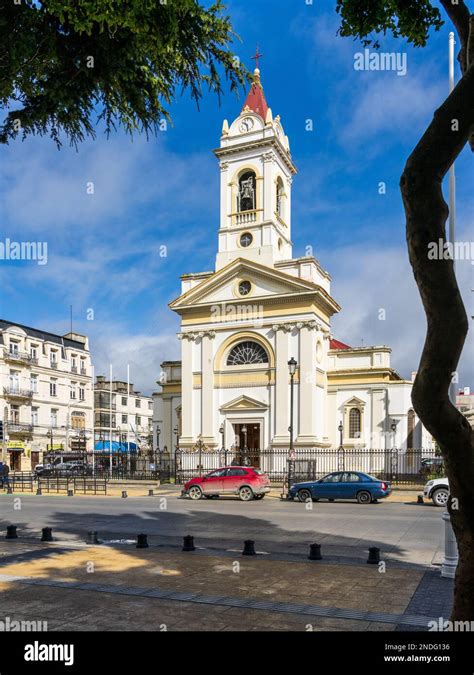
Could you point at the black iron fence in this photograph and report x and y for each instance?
(403, 467)
(78, 485)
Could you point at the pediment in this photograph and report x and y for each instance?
(266, 283)
(354, 402)
(243, 403)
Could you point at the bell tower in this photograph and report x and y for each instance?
(256, 177)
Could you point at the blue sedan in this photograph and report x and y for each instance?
(342, 485)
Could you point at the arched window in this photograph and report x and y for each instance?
(246, 197)
(279, 197)
(246, 353)
(410, 429)
(354, 423)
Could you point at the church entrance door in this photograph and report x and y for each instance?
(247, 443)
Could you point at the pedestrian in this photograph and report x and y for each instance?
(6, 471)
(1, 474)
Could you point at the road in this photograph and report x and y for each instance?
(404, 532)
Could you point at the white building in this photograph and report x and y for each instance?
(45, 394)
(243, 321)
(122, 414)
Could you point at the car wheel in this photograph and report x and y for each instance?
(245, 493)
(364, 497)
(304, 495)
(195, 492)
(440, 497)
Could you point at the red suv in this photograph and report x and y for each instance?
(247, 482)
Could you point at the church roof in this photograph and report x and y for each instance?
(255, 100)
(336, 344)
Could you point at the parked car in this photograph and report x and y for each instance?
(342, 485)
(432, 465)
(244, 481)
(437, 490)
(63, 469)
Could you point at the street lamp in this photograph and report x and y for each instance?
(341, 451)
(244, 431)
(223, 448)
(176, 453)
(292, 364)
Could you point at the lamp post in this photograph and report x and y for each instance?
(341, 452)
(222, 433)
(394, 462)
(244, 431)
(292, 364)
(158, 432)
(176, 452)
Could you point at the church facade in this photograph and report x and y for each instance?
(259, 308)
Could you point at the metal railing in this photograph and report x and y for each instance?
(19, 427)
(17, 392)
(403, 467)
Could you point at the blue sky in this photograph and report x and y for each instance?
(104, 249)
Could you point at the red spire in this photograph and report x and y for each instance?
(255, 100)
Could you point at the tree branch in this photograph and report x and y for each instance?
(459, 15)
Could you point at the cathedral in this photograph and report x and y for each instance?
(259, 362)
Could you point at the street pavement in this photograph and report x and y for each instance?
(405, 532)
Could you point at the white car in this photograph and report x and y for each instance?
(437, 490)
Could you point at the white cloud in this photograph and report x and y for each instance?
(367, 279)
(387, 104)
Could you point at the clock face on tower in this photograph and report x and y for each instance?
(246, 125)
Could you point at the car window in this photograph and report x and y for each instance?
(332, 478)
(236, 472)
(351, 478)
(216, 474)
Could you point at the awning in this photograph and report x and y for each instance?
(116, 447)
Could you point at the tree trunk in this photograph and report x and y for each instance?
(447, 322)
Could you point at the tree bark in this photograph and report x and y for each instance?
(447, 323)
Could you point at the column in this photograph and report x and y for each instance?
(207, 388)
(187, 387)
(280, 412)
(307, 383)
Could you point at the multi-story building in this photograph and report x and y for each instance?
(45, 395)
(122, 415)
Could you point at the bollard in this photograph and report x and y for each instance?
(11, 532)
(38, 491)
(142, 541)
(451, 555)
(374, 555)
(188, 543)
(46, 534)
(315, 552)
(150, 493)
(70, 493)
(249, 547)
(92, 538)
(124, 494)
(420, 499)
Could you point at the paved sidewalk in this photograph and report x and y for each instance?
(121, 587)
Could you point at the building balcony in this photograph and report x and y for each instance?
(16, 392)
(83, 371)
(53, 365)
(246, 217)
(19, 357)
(73, 369)
(15, 428)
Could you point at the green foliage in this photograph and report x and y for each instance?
(411, 19)
(62, 62)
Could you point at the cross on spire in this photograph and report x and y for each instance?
(257, 57)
